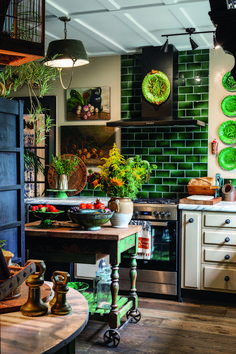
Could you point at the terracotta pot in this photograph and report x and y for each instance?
(123, 208)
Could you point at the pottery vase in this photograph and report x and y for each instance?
(123, 211)
(62, 182)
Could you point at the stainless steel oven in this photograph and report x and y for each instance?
(158, 268)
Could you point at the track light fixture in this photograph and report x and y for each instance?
(189, 31)
(164, 48)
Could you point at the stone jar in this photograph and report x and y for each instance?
(123, 211)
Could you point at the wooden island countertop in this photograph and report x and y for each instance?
(44, 334)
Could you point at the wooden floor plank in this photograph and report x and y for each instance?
(168, 327)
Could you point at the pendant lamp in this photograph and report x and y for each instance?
(66, 53)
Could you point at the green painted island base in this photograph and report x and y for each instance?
(124, 307)
(65, 242)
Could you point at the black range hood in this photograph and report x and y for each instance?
(164, 114)
(141, 123)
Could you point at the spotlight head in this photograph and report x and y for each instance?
(194, 45)
(164, 48)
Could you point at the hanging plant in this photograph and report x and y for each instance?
(36, 76)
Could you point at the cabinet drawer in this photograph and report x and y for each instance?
(219, 219)
(215, 237)
(219, 278)
(219, 255)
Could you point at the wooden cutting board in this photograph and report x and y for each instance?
(200, 202)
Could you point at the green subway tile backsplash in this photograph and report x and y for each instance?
(181, 152)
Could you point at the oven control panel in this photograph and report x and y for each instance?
(152, 212)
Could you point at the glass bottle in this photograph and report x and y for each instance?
(101, 266)
(104, 290)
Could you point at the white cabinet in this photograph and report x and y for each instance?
(218, 251)
(191, 249)
(209, 251)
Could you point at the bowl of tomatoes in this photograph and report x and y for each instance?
(91, 218)
(46, 213)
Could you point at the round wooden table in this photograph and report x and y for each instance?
(43, 334)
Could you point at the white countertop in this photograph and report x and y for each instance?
(73, 201)
(221, 206)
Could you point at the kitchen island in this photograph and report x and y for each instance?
(67, 242)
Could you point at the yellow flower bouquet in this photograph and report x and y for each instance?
(120, 177)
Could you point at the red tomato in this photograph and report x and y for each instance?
(33, 208)
(90, 206)
(100, 206)
(52, 209)
(82, 206)
(40, 205)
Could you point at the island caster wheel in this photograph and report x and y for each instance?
(111, 338)
(135, 317)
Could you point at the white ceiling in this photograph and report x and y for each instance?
(111, 27)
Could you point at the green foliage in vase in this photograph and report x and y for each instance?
(65, 165)
(120, 177)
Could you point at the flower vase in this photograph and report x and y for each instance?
(123, 211)
(62, 182)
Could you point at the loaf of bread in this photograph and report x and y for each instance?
(202, 186)
(203, 181)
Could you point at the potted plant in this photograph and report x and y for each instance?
(121, 179)
(64, 166)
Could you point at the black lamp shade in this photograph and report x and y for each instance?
(194, 45)
(164, 48)
(62, 53)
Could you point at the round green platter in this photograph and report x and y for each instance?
(227, 158)
(228, 82)
(227, 132)
(156, 87)
(228, 106)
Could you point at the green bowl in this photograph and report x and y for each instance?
(90, 220)
(78, 285)
(46, 217)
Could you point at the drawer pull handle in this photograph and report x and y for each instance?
(191, 220)
(227, 256)
(227, 221)
(227, 239)
(226, 278)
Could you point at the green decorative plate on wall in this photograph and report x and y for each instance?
(156, 87)
(228, 82)
(228, 106)
(227, 158)
(227, 132)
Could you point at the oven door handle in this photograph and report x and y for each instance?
(159, 223)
